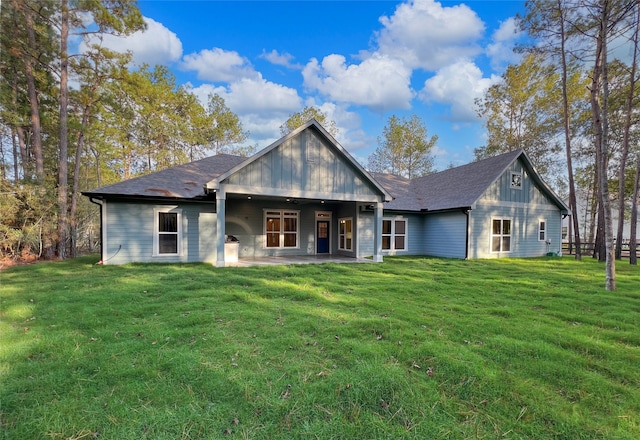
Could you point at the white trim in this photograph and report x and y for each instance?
(392, 234)
(511, 180)
(501, 235)
(542, 231)
(346, 235)
(322, 216)
(282, 214)
(157, 233)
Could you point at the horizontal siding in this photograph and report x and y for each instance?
(129, 230)
(524, 234)
(445, 235)
(245, 221)
(415, 240)
(365, 229)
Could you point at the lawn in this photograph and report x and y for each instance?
(410, 348)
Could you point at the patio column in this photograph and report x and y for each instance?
(377, 233)
(221, 198)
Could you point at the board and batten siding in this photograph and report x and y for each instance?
(304, 164)
(525, 207)
(129, 231)
(445, 234)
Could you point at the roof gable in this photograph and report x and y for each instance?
(463, 186)
(306, 161)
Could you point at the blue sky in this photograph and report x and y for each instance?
(359, 61)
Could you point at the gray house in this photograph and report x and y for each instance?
(305, 195)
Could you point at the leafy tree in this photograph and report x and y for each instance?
(404, 148)
(226, 128)
(546, 20)
(522, 112)
(298, 119)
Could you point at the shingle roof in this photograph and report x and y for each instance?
(454, 188)
(182, 181)
(462, 186)
(458, 187)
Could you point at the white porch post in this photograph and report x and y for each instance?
(377, 233)
(221, 198)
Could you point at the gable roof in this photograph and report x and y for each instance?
(215, 183)
(181, 181)
(460, 187)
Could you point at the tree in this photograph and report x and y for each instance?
(521, 112)
(404, 149)
(226, 128)
(546, 20)
(628, 113)
(298, 119)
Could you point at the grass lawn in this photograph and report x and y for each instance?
(411, 348)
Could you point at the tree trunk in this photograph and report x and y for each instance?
(625, 145)
(601, 128)
(573, 204)
(633, 241)
(73, 226)
(36, 127)
(63, 159)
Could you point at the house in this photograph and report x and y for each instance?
(306, 195)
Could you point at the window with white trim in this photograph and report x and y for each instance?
(345, 234)
(542, 230)
(501, 235)
(281, 228)
(516, 180)
(167, 237)
(394, 234)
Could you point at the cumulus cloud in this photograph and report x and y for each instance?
(280, 59)
(155, 45)
(261, 105)
(424, 34)
(458, 85)
(500, 50)
(219, 65)
(379, 82)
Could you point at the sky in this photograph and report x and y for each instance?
(360, 62)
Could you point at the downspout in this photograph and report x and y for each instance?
(101, 236)
(466, 247)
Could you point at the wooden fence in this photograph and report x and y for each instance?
(587, 249)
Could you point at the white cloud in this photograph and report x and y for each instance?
(280, 59)
(458, 85)
(219, 65)
(261, 96)
(261, 105)
(379, 82)
(500, 50)
(426, 35)
(155, 45)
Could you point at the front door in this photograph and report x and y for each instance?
(322, 237)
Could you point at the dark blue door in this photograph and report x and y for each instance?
(322, 237)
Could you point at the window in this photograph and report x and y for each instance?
(345, 234)
(501, 235)
(394, 234)
(516, 180)
(542, 230)
(281, 228)
(167, 231)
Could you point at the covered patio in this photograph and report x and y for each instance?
(298, 259)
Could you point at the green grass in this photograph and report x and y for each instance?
(514, 349)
